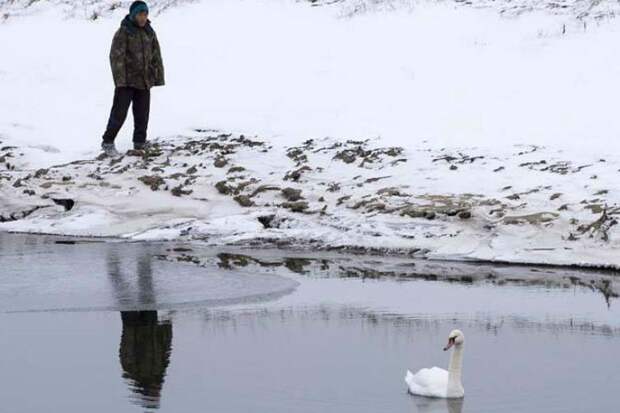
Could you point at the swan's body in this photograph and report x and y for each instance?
(437, 382)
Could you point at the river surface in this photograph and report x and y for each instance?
(119, 327)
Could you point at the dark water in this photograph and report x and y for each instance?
(328, 345)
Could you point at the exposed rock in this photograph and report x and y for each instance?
(393, 151)
(235, 169)
(264, 188)
(595, 208)
(244, 200)
(430, 214)
(464, 214)
(291, 194)
(397, 161)
(375, 206)
(152, 151)
(363, 202)
(295, 174)
(220, 162)
(371, 180)
(179, 191)
(390, 191)
(459, 158)
(561, 167)
(153, 181)
(343, 199)
(244, 184)
(347, 155)
(223, 188)
(532, 219)
(375, 155)
(299, 206)
(297, 154)
(40, 172)
(413, 212)
(177, 175)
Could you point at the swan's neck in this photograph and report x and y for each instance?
(456, 364)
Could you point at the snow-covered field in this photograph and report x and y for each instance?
(444, 129)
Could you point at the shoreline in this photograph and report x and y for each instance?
(522, 206)
(339, 264)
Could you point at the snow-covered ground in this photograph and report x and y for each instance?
(447, 130)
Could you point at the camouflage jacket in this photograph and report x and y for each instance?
(135, 56)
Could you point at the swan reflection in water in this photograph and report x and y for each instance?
(146, 341)
(435, 405)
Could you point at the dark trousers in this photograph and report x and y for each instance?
(140, 100)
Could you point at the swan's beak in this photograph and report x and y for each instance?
(450, 344)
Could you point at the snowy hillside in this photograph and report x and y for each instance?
(93, 9)
(578, 9)
(448, 130)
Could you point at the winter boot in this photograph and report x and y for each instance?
(140, 146)
(109, 149)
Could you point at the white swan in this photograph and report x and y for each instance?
(437, 382)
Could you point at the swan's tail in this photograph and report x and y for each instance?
(408, 378)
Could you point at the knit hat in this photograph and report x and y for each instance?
(137, 7)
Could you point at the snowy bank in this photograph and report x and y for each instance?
(446, 131)
(526, 205)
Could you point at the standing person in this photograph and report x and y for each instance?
(137, 65)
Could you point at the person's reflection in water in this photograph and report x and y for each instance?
(146, 342)
(430, 405)
(145, 354)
